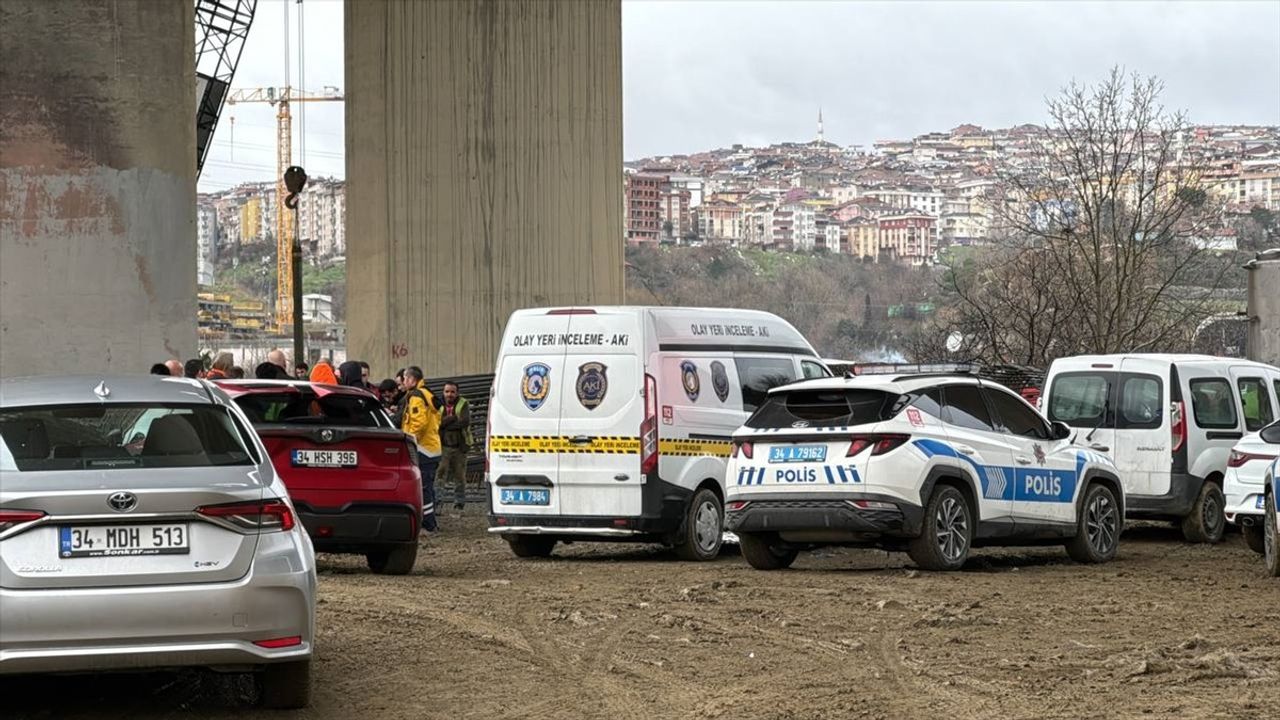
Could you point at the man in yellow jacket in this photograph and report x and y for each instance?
(422, 421)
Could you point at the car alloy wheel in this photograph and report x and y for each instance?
(1101, 521)
(952, 530)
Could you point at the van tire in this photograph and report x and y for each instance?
(763, 554)
(1206, 522)
(1098, 528)
(946, 511)
(285, 686)
(1271, 551)
(531, 546)
(702, 531)
(397, 561)
(1255, 536)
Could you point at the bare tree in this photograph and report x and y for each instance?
(1095, 234)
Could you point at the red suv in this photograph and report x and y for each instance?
(352, 475)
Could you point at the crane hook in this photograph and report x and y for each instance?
(295, 178)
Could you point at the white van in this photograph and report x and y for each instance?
(1169, 423)
(614, 423)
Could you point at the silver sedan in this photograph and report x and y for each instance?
(142, 526)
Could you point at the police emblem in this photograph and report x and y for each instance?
(720, 380)
(593, 383)
(535, 385)
(689, 378)
(1039, 452)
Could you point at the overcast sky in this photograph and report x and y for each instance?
(704, 74)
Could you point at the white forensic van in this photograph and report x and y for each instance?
(1169, 422)
(614, 423)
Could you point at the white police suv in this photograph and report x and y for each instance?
(931, 464)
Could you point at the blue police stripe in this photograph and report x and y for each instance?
(1006, 483)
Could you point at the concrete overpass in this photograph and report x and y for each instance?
(484, 143)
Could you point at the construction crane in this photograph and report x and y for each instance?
(282, 98)
(222, 26)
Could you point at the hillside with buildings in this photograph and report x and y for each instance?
(840, 239)
(901, 200)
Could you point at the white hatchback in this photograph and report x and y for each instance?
(934, 465)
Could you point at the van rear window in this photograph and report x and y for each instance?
(823, 408)
(1079, 399)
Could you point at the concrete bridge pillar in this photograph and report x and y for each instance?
(97, 185)
(484, 157)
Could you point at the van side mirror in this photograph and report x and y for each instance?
(1270, 434)
(1061, 431)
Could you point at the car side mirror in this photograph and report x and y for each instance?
(1061, 431)
(1270, 434)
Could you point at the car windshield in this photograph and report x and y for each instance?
(108, 437)
(302, 406)
(823, 408)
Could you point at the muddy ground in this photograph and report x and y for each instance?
(617, 631)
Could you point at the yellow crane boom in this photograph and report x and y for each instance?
(282, 97)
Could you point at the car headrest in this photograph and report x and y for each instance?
(172, 435)
(27, 439)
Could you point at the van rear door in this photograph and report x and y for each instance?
(524, 413)
(601, 410)
(1142, 449)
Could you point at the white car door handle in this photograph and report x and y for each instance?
(1099, 448)
(965, 450)
(1022, 459)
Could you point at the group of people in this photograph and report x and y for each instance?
(223, 367)
(440, 426)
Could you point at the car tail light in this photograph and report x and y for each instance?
(283, 642)
(879, 444)
(13, 518)
(736, 505)
(744, 449)
(572, 311)
(1178, 428)
(265, 515)
(1237, 458)
(649, 428)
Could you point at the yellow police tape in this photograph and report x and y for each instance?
(605, 444)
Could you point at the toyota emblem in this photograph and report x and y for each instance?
(122, 501)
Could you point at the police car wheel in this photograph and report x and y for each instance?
(1272, 542)
(947, 534)
(762, 552)
(1098, 528)
(529, 546)
(1206, 522)
(1254, 537)
(699, 538)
